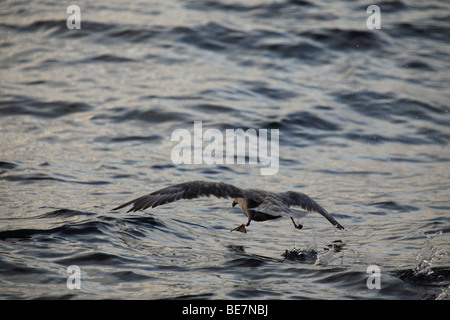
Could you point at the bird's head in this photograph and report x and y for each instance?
(234, 203)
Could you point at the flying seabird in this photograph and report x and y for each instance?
(258, 205)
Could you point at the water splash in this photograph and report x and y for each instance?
(445, 294)
(312, 255)
(429, 253)
(301, 255)
(425, 273)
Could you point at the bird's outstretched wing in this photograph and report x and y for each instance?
(275, 206)
(292, 198)
(186, 190)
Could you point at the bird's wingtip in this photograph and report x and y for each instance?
(121, 206)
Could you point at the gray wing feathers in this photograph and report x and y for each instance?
(275, 207)
(299, 199)
(187, 190)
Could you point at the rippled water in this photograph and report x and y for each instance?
(86, 123)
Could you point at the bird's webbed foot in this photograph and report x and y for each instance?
(241, 228)
(297, 226)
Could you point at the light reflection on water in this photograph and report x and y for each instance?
(87, 119)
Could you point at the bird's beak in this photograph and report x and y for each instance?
(234, 203)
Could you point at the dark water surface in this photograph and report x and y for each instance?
(86, 118)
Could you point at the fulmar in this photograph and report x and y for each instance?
(257, 204)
